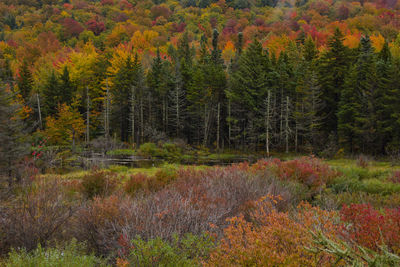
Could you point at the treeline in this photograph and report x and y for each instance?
(301, 100)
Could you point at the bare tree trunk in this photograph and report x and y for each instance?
(281, 117)
(133, 112)
(166, 116)
(205, 126)
(178, 123)
(39, 111)
(87, 116)
(150, 119)
(107, 114)
(229, 124)
(218, 126)
(267, 122)
(141, 122)
(287, 124)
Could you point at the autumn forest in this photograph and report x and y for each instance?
(199, 133)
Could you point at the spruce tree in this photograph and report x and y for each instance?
(333, 68)
(121, 90)
(51, 95)
(357, 114)
(13, 141)
(25, 81)
(66, 87)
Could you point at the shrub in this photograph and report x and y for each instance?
(186, 251)
(135, 183)
(308, 170)
(39, 215)
(149, 150)
(371, 228)
(73, 254)
(98, 183)
(272, 238)
(363, 161)
(395, 177)
(95, 222)
(332, 200)
(350, 255)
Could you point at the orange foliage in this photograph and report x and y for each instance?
(273, 238)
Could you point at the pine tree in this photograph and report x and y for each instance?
(66, 87)
(121, 90)
(25, 81)
(51, 95)
(249, 86)
(12, 137)
(357, 117)
(333, 68)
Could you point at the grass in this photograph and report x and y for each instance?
(121, 152)
(125, 171)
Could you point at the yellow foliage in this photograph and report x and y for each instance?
(377, 42)
(68, 124)
(229, 51)
(352, 40)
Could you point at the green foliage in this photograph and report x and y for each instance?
(168, 151)
(124, 152)
(350, 256)
(72, 254)
(188, 250)
(98, 183)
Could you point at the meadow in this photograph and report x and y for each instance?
(303, 211)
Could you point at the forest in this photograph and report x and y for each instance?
(199, 133)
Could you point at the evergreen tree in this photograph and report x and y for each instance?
(357, 108)
(12, 139)
(25, 81)
(51, 95)
(249, 87)
(333, 68)
(66, 87)
(121, 95)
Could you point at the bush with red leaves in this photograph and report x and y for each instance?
(310, 171)
(370, 227)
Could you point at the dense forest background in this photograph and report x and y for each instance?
(306, 76)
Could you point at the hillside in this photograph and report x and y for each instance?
(289, 76)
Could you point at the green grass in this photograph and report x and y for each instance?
(121, 152)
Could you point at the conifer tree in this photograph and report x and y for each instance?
(25, 81)
(12, 138)
(333, 68)
(123, 82)
(51, 95)
(357, 108)
(66, 87)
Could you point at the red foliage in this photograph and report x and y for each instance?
(107, 2)
(72, 27)
(48, 42)
(178, 27)
(395, 177)
(259, 22)
(371, 228)
(95, 26)
(161, 10)
(124, 4)
(310, 171)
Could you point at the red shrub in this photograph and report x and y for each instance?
(310, 171)
(395, 177)
(371, 228)
(135, 183)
